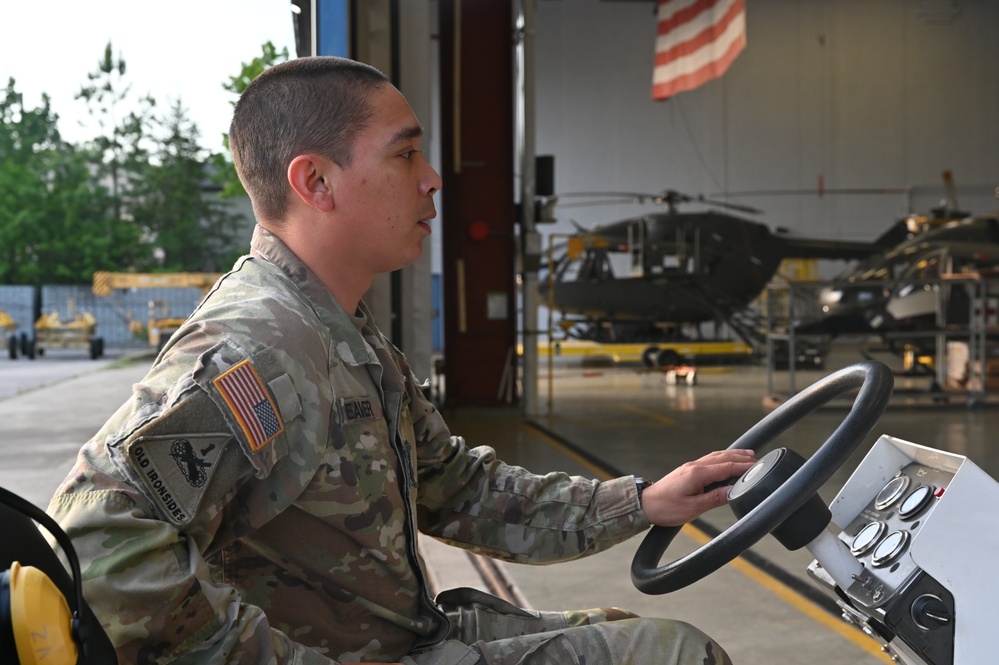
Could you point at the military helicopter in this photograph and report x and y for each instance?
(902, 290)
(643, 279)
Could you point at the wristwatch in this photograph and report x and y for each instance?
(640, 485)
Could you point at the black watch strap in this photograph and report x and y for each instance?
(640, 485)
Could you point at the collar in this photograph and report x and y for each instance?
(349, 343)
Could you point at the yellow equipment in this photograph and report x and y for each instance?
(160, 325)
(7, 322)
(51, 332)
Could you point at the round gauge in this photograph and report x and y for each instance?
(866, 537)
(917, 500)
(889, 548)
(890, 493)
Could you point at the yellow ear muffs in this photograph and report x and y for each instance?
(39, 618)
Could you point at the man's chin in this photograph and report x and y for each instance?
(413, 258)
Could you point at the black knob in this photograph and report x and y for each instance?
(929, 612)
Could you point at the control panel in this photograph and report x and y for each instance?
(881, 534)
(921, 523)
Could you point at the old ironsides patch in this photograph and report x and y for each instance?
(177, 469)
(250, 404)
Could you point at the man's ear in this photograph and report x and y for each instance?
(309, 177)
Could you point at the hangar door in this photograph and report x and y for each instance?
(479, 241)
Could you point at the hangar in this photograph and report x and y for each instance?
(836, 121)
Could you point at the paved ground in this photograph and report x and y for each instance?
(50, 406)
(22, 375)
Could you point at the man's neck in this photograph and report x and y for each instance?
(346, 282)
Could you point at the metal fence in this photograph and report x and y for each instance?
(119, 316)
(18, 303)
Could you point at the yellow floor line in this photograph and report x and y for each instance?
(665, 420)
(782, 591)
(795, 600)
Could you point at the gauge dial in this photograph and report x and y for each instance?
(890, 548)
(891, 492)
(916, 502)
(866, 537)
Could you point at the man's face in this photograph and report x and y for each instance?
(387, 190)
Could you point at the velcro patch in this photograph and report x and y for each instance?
(176, 469)
(359, 410)
(250, 403)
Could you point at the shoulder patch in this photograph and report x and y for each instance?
(250, 403)
(176, 469)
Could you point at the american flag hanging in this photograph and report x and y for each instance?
(246, 396)
(696, 41)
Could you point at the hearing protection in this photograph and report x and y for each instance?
(38, 626)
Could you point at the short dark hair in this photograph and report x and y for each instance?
(308, 105)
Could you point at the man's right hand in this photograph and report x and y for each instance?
(680, 496)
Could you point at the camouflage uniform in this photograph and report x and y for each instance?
(256, 500)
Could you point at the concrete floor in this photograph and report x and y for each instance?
(628, 419)
(634, 421)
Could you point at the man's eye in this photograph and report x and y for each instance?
(409, 154)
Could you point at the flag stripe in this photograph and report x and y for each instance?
(245, 395)
(250, 403)
(702, 35)
(710, 53)
(697, 40)
(727, 46)
(689, 17)
(691, 80)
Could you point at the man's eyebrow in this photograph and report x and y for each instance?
(405, 134)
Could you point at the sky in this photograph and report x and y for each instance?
(173, 49)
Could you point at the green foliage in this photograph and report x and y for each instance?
(157, 175)
(270, 56)
(56, 223)
(118, 148)
(176, 203)
(141, 195)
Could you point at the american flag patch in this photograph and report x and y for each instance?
(249, 401)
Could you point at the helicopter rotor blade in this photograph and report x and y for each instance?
(606, 198)
(668, 197)
(816, 192)
(596, 202)
(731, 206)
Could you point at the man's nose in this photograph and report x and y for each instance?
(432, 182)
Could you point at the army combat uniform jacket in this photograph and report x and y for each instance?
(258, 497)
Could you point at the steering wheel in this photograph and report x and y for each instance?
(875, 381)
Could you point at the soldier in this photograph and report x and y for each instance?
(258, 498)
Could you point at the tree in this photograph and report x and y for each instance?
(158, 174)
(270, 56)
(176, 202)
(56, 222)
(142, 195)
(119, 147)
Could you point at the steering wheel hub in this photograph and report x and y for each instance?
(763, 479)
